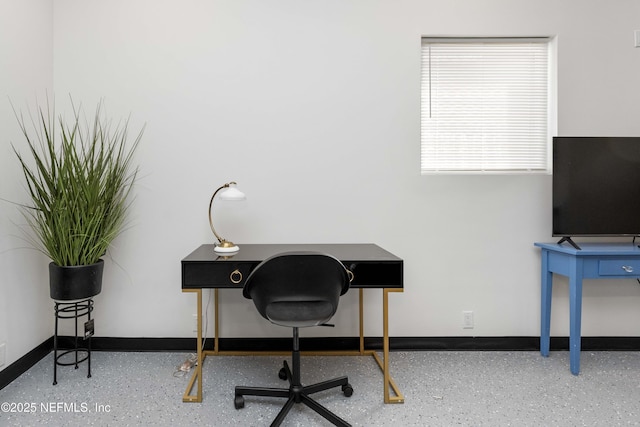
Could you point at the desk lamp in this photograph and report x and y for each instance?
(230, 192)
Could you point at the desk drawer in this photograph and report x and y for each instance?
(619, 267)
(219, 275)
(376, 274)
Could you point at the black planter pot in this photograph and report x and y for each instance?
(75, 282)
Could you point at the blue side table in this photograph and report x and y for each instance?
(592, 261)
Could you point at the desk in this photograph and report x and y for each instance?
(372, 268)
(593, 261)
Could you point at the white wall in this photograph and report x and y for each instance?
(26, 73)
(320, 99)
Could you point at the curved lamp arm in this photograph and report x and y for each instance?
(223, 243)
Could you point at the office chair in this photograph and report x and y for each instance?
(297, 290)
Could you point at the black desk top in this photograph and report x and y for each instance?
(371, 265)
(345, 252)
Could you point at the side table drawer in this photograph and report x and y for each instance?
(619, 267)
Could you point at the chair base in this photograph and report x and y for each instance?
(297, 393)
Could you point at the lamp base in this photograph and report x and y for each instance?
(226, 249)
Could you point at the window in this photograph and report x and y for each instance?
(485, 105)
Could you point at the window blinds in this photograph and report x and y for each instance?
(484, 105)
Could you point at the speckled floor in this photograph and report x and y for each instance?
(441, 389)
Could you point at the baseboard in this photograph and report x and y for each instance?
(510, 343)
(23, 364)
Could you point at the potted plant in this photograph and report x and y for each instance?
(79, 175)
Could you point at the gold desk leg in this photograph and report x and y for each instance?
(383, 364)
(361, 309)
(216, 346)
(197, 373)
(388, 381)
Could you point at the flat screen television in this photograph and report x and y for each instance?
(596, 186)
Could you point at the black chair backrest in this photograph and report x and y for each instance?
(297, 288)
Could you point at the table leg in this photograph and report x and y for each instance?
(388, 381)
(197, 374)
(216, 322)
(575, 314)
(361, 318)
(545, 305)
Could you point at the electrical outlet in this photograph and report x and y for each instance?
(636, 33)
(195, 323)
(467, 319)
(3, 354)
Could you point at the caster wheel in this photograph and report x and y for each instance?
(347, 390)
(239, 402)
(282, 374)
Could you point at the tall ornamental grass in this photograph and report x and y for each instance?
(79, 175)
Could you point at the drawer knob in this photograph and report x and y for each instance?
(235, 277)
(351, 276)
(627, 268)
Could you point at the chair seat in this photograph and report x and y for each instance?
(299, 313)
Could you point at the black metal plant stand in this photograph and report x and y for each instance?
(74, 310)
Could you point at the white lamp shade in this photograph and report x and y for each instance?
(232, 194)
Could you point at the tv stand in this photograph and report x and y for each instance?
(569, 241)
(594, 261)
